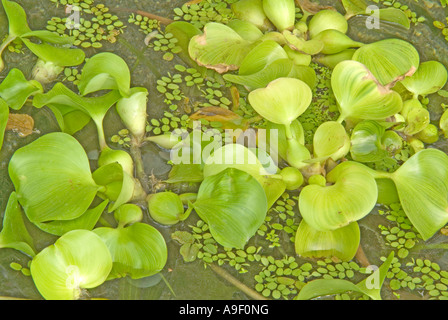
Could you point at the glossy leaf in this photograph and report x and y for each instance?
(14, 233)
(119, 185)
(245, 29)
(64, 100)
(282, 101)
(132, 111)
(366, 142)
(219, 48)
(327, 19)
(299, 44)
(86, 221)
(183, 32)
(58, 164)
(4, 115)
(97, 74)
(360, 96)
(233, 204)
(331, 141)
(15, 89)
(77, 260)
(239, 157)
(389, 60)
(252, 11)
(18, 24)
(282, 68)
(371, 286)
(341, 243)
(351, 197)
(335, 41)
(429, 78)
(261, 56)
(166, 208)
(60, 56)
(422, 185)
(281, 13)
(137, 251)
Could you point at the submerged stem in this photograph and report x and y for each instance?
(136, 155)
(222, 273)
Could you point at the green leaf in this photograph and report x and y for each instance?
(389, 60)
(166, 208)
(366, 142)
(290, 96)
(120, 186)
(183, 32)
(15, 89)
(279, 145)
(16, 17)
(86, 221)
(49, 36)
(282, 13)
(252, 11)
(260, 56)
(422, 185)
(246, 30)
(132, 112)
(360, 96)
(185, 173)
(331, 141)
(14, 233)
(351, 197)
(60, 56)
(371, 286)
(327, 19)
(354, 7)
(97, 74)
(396, 16)
(430, 77)
(77, 260)
(62, 98)
(282, 68)
(4, 115)
(52, 178)
(341, 243)
(239, 157)
(233, 204)
(138, 250)
(219, 48)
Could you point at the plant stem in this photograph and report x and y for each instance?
(225, 275)
(136, 155)
(151, 16)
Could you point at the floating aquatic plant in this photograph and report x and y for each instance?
(53, 51)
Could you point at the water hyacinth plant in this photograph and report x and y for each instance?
(264, 141)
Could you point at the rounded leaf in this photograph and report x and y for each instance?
(52, 178)
(341, 243)
(233, 204)
(166, 207)
(429, 78)
(389, 60)
(282, 101)
(138, 250)
(360, 96)
(331, 141)
(351, 197)
(77, 260)
(282, 13)
(327, 19)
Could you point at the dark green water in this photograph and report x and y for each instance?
(188, 280)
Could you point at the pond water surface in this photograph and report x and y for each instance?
(187, 280)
